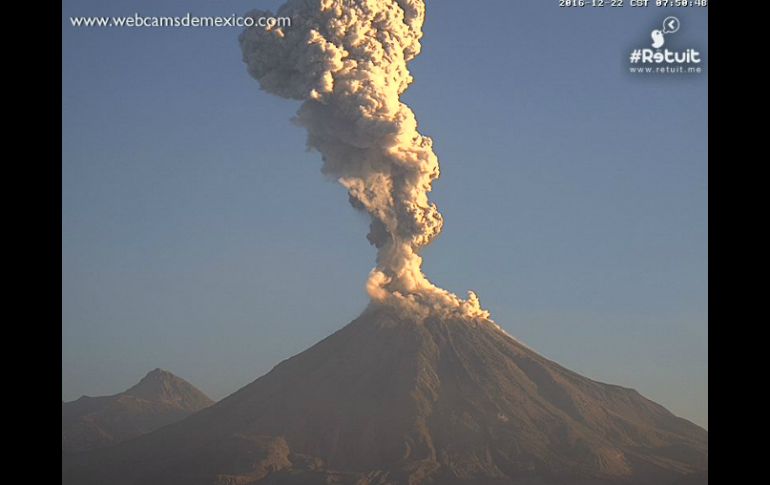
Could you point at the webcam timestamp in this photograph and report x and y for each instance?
(633, 3)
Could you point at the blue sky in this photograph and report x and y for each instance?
(199, 236)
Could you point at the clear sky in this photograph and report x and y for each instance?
(199, 236)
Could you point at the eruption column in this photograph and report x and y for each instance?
(347, 61)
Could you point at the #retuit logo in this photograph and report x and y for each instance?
(659, 60)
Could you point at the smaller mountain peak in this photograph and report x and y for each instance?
(158, 399)
(160, 372)
(162, 385)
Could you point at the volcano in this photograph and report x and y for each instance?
(160, 398)
(390, 400)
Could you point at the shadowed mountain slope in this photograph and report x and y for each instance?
(387, 400)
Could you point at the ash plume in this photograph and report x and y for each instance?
(347, 61)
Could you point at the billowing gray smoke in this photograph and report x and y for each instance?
(347, 61)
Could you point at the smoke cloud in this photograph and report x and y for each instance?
(347, 61)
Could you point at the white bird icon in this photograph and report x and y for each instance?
(657, 39)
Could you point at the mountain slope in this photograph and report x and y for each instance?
(386, 400)
(158, 399)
